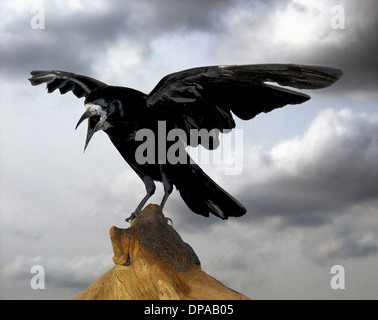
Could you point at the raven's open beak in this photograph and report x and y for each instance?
(85, 115)
(92, 126)
(90, 133)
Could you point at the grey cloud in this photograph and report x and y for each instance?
(333, 168)
(170, 16)
(74, 39)
(356, 53)
(69, 41)
(74, 274)
(340, 239)
(358, 57)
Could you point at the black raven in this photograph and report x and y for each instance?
(193, 99)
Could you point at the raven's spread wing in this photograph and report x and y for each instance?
(80, 85)
(205, 97)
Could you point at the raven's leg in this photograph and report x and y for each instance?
(150, 188)
(168, 186)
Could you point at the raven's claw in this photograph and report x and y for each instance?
(132, 216)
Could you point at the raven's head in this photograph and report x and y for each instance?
(97, 114)
(106, 109)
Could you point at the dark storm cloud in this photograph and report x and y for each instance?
(321, 175)
(356, 56)
(61, 45)
(74, 38)
(355, 52)
(71, 39)
(359, 57)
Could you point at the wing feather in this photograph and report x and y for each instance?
(80, 85)
(208, 95)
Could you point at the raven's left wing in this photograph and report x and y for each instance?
(80, 85)
(205, 97)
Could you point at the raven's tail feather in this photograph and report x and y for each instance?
(203, 196)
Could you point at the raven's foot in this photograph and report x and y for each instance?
(132, 216)
(169, 221)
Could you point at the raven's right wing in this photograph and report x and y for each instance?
(80, 85)
(206, 96)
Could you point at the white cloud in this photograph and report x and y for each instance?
(265, 33)
(333, 137)
(118, 62)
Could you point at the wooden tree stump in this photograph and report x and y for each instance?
(151, 262)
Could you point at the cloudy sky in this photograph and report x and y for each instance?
(310, 173)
